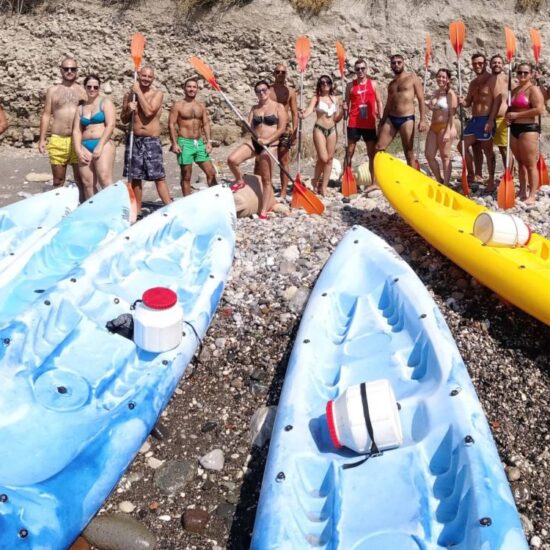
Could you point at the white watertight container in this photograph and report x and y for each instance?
(346, 418)
(497, 229)
(158, 320)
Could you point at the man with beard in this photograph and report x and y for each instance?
(146, 162)
(399, 111)
(60, 107)
(187, 123)
(284, 94)
(501, 84)
(484, 99)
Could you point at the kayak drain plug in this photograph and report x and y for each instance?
(6, 341)
(23, 533)
(3, 498)
(288, 427)
(61, 389)
(469, 440)
(486, 522)
(280, 477)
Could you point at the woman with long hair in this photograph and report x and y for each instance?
(268, 121)
(329, 111)
(93, 127)
(526, 105)
(442, 132)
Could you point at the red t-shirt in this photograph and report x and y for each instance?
(362, 111)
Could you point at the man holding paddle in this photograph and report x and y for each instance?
(286, 96)
(147, 162)
(187, 123)
(398, 114)
(501, 83)
(484, 98)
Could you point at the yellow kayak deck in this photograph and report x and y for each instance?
(445, 219)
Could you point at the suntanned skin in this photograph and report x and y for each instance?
(286, 96)
(59, 109)
(3, 121)
(497, 69)
(189, 119)
(402, 92)
(147, 108)
(484, 99)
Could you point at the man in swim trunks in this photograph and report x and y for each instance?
(187, 123)
(399, 111)
(3, 121)
(484, 98)
(501, 129)
(146, 162)
(363, 103)
(60, 107)
(285, 95)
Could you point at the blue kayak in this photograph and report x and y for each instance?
(24, 222)
(370, 318)
(77, 401)
(54, 254)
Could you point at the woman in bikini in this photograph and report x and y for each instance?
(526, 105)
(329, 111)
(267, 119)
(93, 126)
(442, 132)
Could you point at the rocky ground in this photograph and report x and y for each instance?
(195, 482)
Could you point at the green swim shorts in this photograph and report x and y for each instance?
(192, 150)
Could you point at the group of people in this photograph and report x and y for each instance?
(82, 122)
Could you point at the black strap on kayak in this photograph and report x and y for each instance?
(373, 448)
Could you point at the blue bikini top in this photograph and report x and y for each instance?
(97, 118)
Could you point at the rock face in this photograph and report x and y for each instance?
(98, 35)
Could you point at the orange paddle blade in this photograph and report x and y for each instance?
(543, 171)
(349, 185)
(510, 43)
(506, 196)
(457, 34)
(137, 48)
(133, 203)
(464, 180)
(428, 49)
(535, 39)
(302, 197)
(340, 52)
(205, 71)
(303, 51)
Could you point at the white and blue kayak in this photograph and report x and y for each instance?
(24, 222)
(41, 264)
(370, 319)
(77, 401)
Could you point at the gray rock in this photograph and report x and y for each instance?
(513, 474)
(173, 476)
(261, 425)
(299, 299)
(213, 460)
(118, 532)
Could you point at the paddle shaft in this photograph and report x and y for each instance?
(300, 124)
(508, 163)
(131, 139)
(424, 91)
(461, 109)
(251, 130)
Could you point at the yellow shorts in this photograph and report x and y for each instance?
(501, 132)
(61, 150)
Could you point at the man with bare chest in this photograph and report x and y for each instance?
(399, 111)
(59, 109)
(188, 122)
(146, 161)
(501, 129)
(485, 100)
(285, 95)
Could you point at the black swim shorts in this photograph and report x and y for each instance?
(147, 160)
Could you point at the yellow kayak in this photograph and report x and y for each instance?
(446, 220)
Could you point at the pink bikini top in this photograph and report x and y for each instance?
(521, 101)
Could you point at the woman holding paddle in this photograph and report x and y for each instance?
(526, 105)
(442, 132)
(267, 121)
(329, 111)
(93, 127)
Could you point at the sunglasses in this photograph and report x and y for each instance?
(92, 87)
(261, 91)
(280, 72)
(475, 63)
(523, 72)
(357, 69)
(69, 69)
(324, 82)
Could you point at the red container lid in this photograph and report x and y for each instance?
(159, 297)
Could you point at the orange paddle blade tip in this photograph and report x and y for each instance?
(428, 49)
(506, 195)
(543, 171)
(137, 48)
(349, 185)
(464, 180)
(303, 51)
(340, 52)
(536, 42)
(205, 71)
(302, 197)
(457, 34)
(510, 43)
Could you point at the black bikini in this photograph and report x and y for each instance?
(268, 120)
